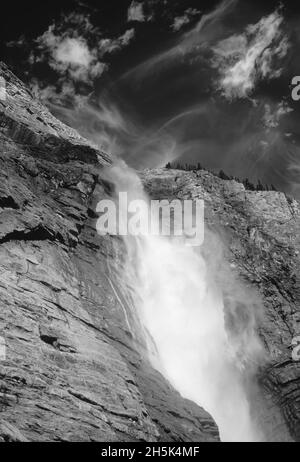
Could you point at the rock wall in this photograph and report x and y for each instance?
(74, 370)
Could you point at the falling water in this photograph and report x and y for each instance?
(180, 302)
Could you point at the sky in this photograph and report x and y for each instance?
(159, 81)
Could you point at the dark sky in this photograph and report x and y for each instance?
(165, 80)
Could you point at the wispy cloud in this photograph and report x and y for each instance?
(200, 36)
(186, 18)
(112, 45)
(64, 92)
(242, 60)
(136, 12)
(274, 112)
(76, 50)
(70, 56)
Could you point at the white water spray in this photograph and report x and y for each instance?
(180, 303)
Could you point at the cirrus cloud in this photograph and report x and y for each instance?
(136, 12)
(78, 55)
(77, 52)
(242, 60)
(274, 112)
(186, 18)
(70, 56)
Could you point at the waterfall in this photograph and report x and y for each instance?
(196, 315)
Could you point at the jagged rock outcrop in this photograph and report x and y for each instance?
(73, 370)
(260, 231)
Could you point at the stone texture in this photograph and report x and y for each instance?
(262, 246)
(75, 369)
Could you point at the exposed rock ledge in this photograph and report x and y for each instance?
(73, 370)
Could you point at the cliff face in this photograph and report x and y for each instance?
(73, 369)
(260, 231)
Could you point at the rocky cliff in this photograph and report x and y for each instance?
(72, 370)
